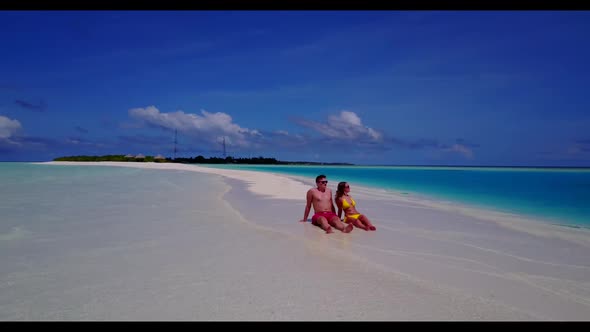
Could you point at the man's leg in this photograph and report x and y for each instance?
(335, 221)
(322, 223)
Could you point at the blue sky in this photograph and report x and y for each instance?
(366, 87)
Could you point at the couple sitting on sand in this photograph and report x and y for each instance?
(325, 213)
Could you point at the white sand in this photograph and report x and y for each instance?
(426, 261)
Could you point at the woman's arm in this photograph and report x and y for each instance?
(339, 204)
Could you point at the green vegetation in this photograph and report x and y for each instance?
(228, 160)
(115, 157)
(195, 160)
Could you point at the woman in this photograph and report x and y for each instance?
(345, 203)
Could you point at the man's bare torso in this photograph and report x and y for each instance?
(321, 201)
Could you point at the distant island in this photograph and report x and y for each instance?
(195, 160)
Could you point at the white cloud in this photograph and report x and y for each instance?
(461, 149)
(282, 132)
(8, 127)
(345, 125)
(208, 126)
(375, 135)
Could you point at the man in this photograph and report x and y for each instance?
(325, 213)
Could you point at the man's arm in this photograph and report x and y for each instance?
(332, 202)
(307, 206)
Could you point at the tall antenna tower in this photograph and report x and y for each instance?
(224, 155)
(175, 141)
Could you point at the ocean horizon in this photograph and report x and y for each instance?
(334, 163)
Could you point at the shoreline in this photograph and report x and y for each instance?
(443, 200)
(513, 220)
(291, 187)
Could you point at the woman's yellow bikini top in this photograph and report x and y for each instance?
(345, 204)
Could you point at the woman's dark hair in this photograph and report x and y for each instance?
(340, 190)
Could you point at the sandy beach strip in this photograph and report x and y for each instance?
(426, 261)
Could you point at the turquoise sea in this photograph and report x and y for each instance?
(553, 195)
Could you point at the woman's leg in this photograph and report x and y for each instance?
(356, 223)
(367, 222)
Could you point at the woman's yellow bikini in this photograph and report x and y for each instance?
(346, 205)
